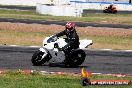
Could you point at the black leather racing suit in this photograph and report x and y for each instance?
(110, 8)
(72, 40)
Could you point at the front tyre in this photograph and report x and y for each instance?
(37, 59)
(104, 11)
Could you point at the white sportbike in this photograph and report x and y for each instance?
(50, 53)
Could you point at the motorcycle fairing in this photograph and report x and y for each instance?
(61, 42)
(85, 43)
(57, 56)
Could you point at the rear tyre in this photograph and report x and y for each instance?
(76, 58)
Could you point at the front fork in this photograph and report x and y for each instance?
(44, 51)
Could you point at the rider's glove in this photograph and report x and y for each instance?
(54, 37)
(60, 49)
(57, 46)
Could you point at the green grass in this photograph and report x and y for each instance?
(17, 12)
(17, 80)
(112, 40)
(111, 18)
(115, 43)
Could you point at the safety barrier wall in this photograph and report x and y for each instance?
(32, 2)
(101, 5)
(23, 2)
(59, 10)
(80, 4)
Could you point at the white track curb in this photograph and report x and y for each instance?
(26, 72)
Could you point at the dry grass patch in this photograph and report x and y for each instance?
(21, 27)
(32, 34)
(52, 29)
(102, 31)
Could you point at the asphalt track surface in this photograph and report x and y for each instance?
(97, 61)
(79, 24)
(30, 8)
(101, 11)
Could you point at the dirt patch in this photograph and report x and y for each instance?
(52, 29)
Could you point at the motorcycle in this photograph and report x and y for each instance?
(50, 53)
(111, 9)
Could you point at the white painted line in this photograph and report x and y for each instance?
(13, 45)
(105, 49)
(21, 46)
(96, 73)
(83, 49)
(128, 50)
(32, 46)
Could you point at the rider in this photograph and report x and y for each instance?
(110, 8)
(72, 38)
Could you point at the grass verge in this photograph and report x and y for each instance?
(36, 80)
(108, 18)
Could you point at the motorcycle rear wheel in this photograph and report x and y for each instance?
(76, 58)
(114, 12)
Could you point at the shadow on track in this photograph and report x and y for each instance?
(62, 65)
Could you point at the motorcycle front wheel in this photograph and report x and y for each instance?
(37, 59)
(104, 11)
